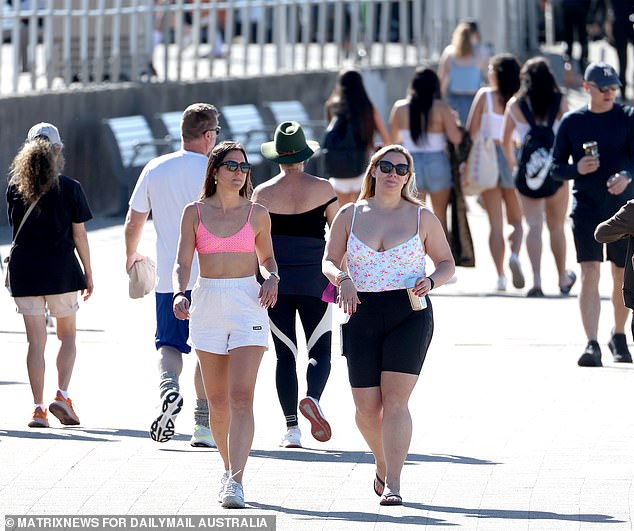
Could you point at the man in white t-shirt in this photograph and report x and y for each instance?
(165, 186)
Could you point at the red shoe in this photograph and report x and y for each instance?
(39, 419)
(319, 426)
(62, 408)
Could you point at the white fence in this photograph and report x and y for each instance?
(55, 43)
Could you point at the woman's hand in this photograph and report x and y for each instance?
(86, 293)
(181, 307)
(268, 292)
(422, 286)
(347, 297)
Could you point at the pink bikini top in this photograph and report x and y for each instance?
(242, 241)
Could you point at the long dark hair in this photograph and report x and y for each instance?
(35, 169)
(507, 73)
(216, 158)
(423, 90)
(350, 99)
(538, 86)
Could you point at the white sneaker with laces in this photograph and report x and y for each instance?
(223, 485)
(202, 437)
(292, 438)
(233, 497)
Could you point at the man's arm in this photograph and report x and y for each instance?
(133, 229)
(561, 169)
(619, 226)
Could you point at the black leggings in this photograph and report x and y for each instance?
(316, 321)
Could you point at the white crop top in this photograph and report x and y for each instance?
(387, 270)
(494, 119)
(430, 143)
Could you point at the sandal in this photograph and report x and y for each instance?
(378, 490)
(572, 278)
(391, 499)
(534, 293)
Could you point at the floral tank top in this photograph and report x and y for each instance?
(387, 270)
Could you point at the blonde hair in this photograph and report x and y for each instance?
(461, 40)
(408, 192)
(35, 169)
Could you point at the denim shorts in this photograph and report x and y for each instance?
(506, 175)
(433, 171)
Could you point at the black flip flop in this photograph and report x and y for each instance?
(378, 479)
(391, 499)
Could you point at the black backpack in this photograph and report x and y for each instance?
(533, 168)
(344, 153)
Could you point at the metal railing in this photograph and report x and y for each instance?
(57, 43)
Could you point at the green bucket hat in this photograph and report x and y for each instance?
(289, 145)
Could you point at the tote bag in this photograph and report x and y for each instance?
(481, 172)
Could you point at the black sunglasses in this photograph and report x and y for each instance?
(233, 166)
(386, 167)
(603, 90)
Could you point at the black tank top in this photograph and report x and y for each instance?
(309, 224)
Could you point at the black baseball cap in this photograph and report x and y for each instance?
(601, 74)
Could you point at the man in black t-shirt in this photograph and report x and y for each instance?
(600, 139)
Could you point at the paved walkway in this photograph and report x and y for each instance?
(509, 434)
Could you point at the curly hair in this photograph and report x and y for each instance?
(216, 158)
(35, 169)
(408, 192)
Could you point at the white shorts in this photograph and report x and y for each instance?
(347, 185)
(60, 305)
(225, 314)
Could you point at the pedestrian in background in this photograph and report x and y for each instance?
(461, 70)
(599, 138)
(489, 105)
(300, 205)
(385, 237)
(349, 102)
(229, 323)
(47, 212)
(620, 227)
(540, 98)
(422, 123)
(165, 186)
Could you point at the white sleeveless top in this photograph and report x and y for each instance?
(431, 142)
(523, 128)
(494, 119)
(387, 270)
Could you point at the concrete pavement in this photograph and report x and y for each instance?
(509, 434)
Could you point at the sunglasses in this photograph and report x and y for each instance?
(603, 90)
(216, 129)
(386, 167)
(233, 166)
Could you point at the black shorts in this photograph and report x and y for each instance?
(385, 334)
(590, 250)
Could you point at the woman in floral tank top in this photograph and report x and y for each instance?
(385, 237)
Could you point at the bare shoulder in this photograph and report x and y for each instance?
(426, 215)
(400, 104)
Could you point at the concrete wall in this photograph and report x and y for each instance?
(79, 114)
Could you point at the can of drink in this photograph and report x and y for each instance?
(591, 148)
(417, 303)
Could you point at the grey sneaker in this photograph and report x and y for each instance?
(591, 356)
(619, 350)
(233, 497)
(162, 429)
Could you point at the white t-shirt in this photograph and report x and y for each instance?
(166, 185)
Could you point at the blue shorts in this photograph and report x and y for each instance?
(506, 175)
(170, 332)
(433, 171)
(461, 103)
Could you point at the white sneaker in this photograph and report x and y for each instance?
(501, 284)
(202, 437)
(516, 270)
(162, 429)
(233, 497)
(292, 439)
(223, 485)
